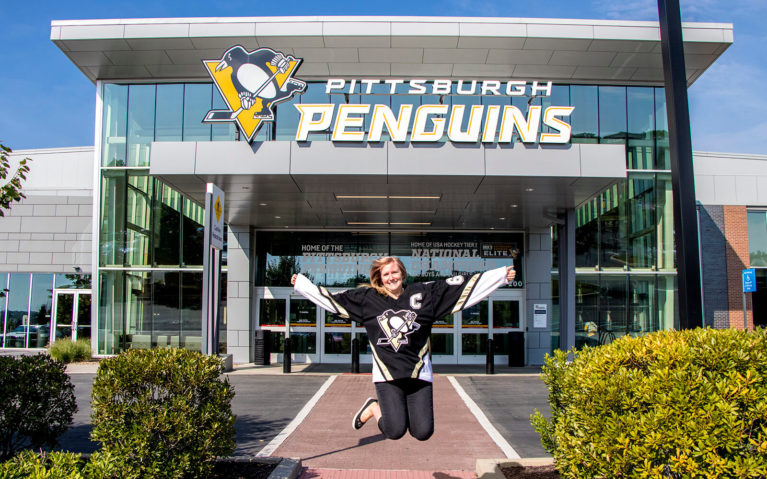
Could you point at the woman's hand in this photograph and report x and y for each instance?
(293, 280)
(510, 273)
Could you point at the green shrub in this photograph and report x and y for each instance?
(163, 412)
(669, 404)
(68, 351)
(37, 403)
(51, 465)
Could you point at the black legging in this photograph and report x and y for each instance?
(406, 404)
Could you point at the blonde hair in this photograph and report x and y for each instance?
(375, 273)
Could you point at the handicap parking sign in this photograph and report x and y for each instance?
(749, 280)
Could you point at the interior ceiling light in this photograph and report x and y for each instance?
(390, 197)
(390, 223)
(262, 204)
(529, 189)
(422, 212)
(501, 218)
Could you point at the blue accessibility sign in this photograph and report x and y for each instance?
(749, 280)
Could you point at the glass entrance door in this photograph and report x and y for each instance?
(72, 314)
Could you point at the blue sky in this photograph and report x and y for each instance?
(46, 102)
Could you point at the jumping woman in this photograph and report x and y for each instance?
(398, 322)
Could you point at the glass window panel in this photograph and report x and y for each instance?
(664, 220)
(138, 208)
(115, 124)
(141, 103)
(473, 344)
(111, 311)
(505, 314)
(193, 236)
(338, 343)
(17, 314)
(475, 316)
(72, 281)
(612, 228)
(277, 339)
(757, 238)
(442, 344)
(662, 152)
(3, 295)
(612, 114)
(613, 302)
(137, 332)
(560, 96)
(303, 343)
(272, 312)
(444, 322)
(585, 117)
(191, 310)
(587, 235)
(641, 125)
(642, 237)
(303, 313)
(668, 310)
(83, 315)
(333, 321)
(286, 114)
(170, 109)
(314, 94)
(586, 310)
(166, 233)
(197, 104)
(112, 232)
(642, 305)
(227, 131)
(364, 342)
(40, 307)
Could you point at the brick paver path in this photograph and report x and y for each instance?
(329, 447)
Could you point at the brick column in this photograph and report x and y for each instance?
(736, 236)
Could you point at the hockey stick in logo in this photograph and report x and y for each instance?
(282, 65)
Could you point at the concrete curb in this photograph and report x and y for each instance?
(288, 468)
(490, 468)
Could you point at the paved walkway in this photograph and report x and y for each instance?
(307, 414)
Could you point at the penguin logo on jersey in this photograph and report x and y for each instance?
(251, 83)
(396, 325)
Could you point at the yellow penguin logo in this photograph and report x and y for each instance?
(251, 83)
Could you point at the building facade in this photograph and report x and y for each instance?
(457, 144)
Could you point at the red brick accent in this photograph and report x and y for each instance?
(737, 257)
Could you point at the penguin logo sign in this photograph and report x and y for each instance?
(251, 83)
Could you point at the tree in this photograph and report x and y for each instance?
(10, 191)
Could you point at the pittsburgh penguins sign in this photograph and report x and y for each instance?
(251, 83)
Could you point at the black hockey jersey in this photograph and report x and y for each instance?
(399, 329)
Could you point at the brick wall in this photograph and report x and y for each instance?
(737, 258)
(716, 305)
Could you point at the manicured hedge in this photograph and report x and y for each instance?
(668, 404)
(37, 403)
(162, 413)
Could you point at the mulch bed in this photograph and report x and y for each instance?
(227, 469)
(529, 472)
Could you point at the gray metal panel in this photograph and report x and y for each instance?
(328, 158)
(172, 157)
(603, 161)
(534, 160)
(444, 159)
(239, 157)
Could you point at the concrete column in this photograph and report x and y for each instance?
(239, 294)
(538, 278)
